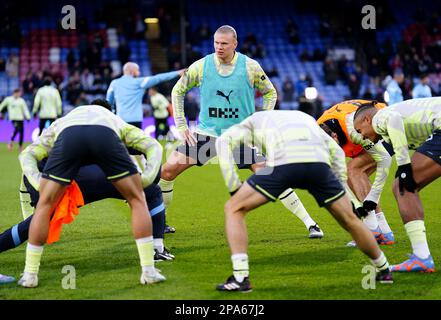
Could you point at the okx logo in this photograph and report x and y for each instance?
(227, 97)
(229, 113)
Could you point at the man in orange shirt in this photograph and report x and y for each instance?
(366, 157)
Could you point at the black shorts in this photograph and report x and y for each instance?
(18, 124)
(89, 144)
(136, 124)
(95, 187)
(205, 150)
(432, 147)
(317, 178)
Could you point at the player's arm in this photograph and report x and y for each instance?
(135, 138)
(34, 153)
(58, 103)
(37, 102)
(25, 110)
(238, 134)
(337, 158)
(383, 161)
(191, 78)
(262, 84)
(148, 82)
(337, 161)
(110, 94)
(382, 158)
(25, 200)
(4, 104)
(390, 124)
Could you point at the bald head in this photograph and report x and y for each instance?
(131, 69)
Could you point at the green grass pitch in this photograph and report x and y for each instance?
(284, 263)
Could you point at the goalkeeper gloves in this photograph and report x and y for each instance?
(360, 211)
(405, 178)
(369, 205)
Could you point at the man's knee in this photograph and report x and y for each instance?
(168, 172)
(232, 207)
(228, 207)
(136, 198)
(175, 164)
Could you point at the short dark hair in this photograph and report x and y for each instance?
(103, 103)
(331, 126)
(47, 81)
(364, 108)
(16, 90)
(326, 129)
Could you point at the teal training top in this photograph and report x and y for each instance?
(225, 100)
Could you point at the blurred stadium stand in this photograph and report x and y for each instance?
(41, 45)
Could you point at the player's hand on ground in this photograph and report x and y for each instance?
(405, 178)
(189, 137)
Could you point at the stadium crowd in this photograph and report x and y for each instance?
(416, 55)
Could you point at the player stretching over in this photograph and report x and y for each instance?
(366, 157)
(91, 134)
(411, 124)
(299, 155)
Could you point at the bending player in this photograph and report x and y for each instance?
(411, 124)
(366, 158)
(299, 155)
(227, 81)
(94, 187)
(90, 134)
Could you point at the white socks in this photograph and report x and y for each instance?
(416, 232)
(371, 220)
(240, 266)
(158, 244)
(381, 262)
(167, 191)
(292, 202)
(145, 251)
(382, 223)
